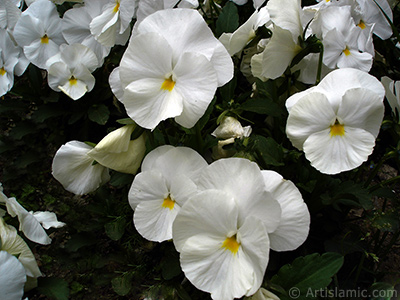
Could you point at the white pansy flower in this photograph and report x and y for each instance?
(70, 70)
(341, 39)
(76, 27)
(118, 152)
(221, 252)
(38, 32)
(166, 73)
(163, 186)
(76, 171)
(236, 41)
(114, 21)
(336, 122)
(392, 89)
(9, 55)
(12, 277)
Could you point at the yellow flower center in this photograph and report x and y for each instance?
(168, 203)
(116, 7)
(346, 51)
(73, 80)
(231, 244)
(2, 71)
(337, 129)
(44, 39)
(361, 24)
(168, 84)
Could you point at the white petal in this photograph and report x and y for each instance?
(74, 169)
(312, 113)
(362, 108)
(151, 157)
(288, 18)
(48, 219)
(197, 88)
(12, 277)
(115, 84)
(28, 223)
(295, 221)
(242, 179)
(332, 155)
(153, 221)
(74, 91)
(148, 186)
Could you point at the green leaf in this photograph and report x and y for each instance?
(45, 112)
(122, 284)
(170, 266)
(99, 114)
(115, 229)
(53, 288)
(308, 274)
(80, 240)
(22, 129)
(263, 106)
(228, 20)
(121, 179)
(382, 291)
(227, 91)
(267, 150)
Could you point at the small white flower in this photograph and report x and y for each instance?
(336, 122)
(38, 31)
(70, 70)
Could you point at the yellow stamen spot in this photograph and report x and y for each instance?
(116, 7)
(168, 84)
(231, 244)
(337, 129)
(44, 39)
(361, 24)
(168, 203)
(73, 80)
(2, 71)
(346, 51)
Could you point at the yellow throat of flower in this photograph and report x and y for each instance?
(116, 7)
(361, 24)
(2, 71)
(44, 39)
(337, 129)
(168, 84)
(168, 203)
(73, 80)
(231, 244)
(346, 51)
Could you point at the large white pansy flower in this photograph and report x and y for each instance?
(221, 252)
(76, 171)
(236, 41)
(76, 27)
(38, 31)
(114, 21)
(12, 277)
(70, 70)
(171, 69)
(118, 152)
(336, 122)
(163, 186)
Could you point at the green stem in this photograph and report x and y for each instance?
(319, 71)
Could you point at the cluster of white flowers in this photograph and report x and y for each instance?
(223, 217)
(19, 269)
